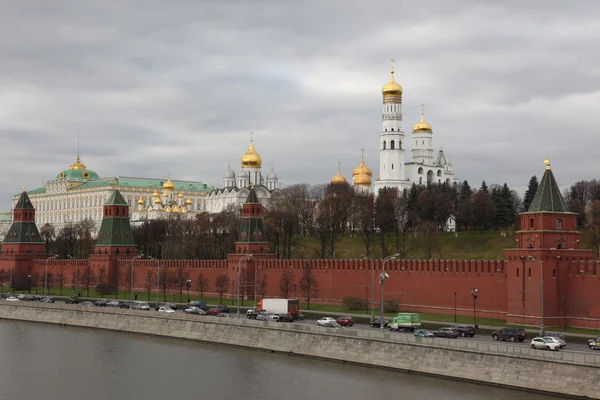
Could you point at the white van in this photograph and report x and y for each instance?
(140, 305)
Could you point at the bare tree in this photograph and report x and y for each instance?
(48, 234)
(593, 224)
(431, 237)
(61, 278)
(202, 284)
(309, 284)
(102, 275)
(88, 279)
(165, 278)
(285, 283)
(222, 285)
(262, 286)
(148, 283)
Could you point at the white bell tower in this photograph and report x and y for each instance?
(391, 139)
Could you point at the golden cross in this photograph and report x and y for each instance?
(23, 187)
(251, 136)
(393, 62)
(422, 110)
(228, 164)
(362, 152)
(339, 166)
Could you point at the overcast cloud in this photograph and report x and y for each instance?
(159, 87)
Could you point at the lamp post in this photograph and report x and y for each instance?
(157, 281)
(46, 278)
(244, 257)
(542, 327)
(255, 284)
(372, 287)
(188, 283)
(475, 293)
(131, 281)
(382, 277)
(29, 284)
(455, 306)
(75, 280)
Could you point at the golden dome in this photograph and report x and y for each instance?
(338, 178)
(180, 195)
(422, 126)
(251, 158)
(157, 200)
(141, 202)
(362, 167)
(169, 185)
(392, 88)
(362, 179)
(165, 194)
(155, 194)
(188, 202)
(77, 165)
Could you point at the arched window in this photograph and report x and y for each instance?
(529, 273)
(400, 145)
(420, 180)
(392, 166)
(384, 145)
(517, 272)
(554, 273)
(392, 145)
(392, 129)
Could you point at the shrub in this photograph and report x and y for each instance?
(353, 303)
(391, 305)
(105, 288)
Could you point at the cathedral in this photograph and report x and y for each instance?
(423, 168)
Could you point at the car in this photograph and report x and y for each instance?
(594, 344)
(113, 303)
(72, 300)
(194, 310)
(464, 330)
(511, 334)
(554, 340)
(325, 320)
(267, 316)
(253, 313)
(223, 308)
(223, 315)
(125, 304)
(101, 303)
(345, 321)
(166, 309)
(332, 324)
(86, 304)
(377, 323)
(46, 299)
(545, 343)
(300, 316)
(288, 317)
(423, 333)
(140, 305)
(447, 332)
(559, 337)
(12, 298)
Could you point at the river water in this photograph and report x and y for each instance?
(52, 362)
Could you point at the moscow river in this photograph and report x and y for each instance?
(56, 363)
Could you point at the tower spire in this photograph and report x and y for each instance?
(77, 144)
(393, 63)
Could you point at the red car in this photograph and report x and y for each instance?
(213, 311)
(345, 321)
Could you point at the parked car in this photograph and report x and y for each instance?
(286, 317)
(423, 333)
(464, 330)
(166, 309)
(446, 333)
(325, 320)
(12, 298)
(267, 316)
(124, 304)
(72, 300)
(113, 303)
(223, 308)
(512, 334)
(46, 299)
(594, 343)
(86, 304)
(377, 323)
(545, 343)
(101, 303)
(213, 311)
(140, 305)
(194, 310)
(332, 324)
(253, 313)
(558, 337)
(345, 321)
(300, 317)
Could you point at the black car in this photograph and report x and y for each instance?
(223, 309)
(72, 300)
(299, 316)
(46, 299)
(125, 304)
(450, 333)
(100, 303)
(464, 330)
(86, 304)
(113, 303)
(253, 313)
(377, 323)
(512, 334)
(286, 317)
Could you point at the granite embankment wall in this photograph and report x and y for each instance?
(500, 364)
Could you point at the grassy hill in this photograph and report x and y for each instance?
(464, 246)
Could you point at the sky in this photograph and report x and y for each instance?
(175, 87)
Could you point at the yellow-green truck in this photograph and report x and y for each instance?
(406, 322)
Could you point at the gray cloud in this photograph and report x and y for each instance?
(176, 86)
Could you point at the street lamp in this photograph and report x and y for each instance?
(46, 278)
(131, 281)
(188, 283)
(244, 257)
(475, 293)
(29, 284)
(76, 270)
(455, 306)
(372, 287)
(382, 277)
(542, 327)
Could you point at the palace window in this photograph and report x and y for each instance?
(517, 272)
(559, 223)
(384, 145)
(392, 144)
(531, 223)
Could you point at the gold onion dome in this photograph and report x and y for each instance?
(188, 202)
(362, 179)
(77, 165)
(338, 178)
(362, 167)
(180, 195)
(157, 201)
(165, 194)
(392, 88)
(155, 194)
(140, 202)
(422, 126)
(169, 185)
(251, 158)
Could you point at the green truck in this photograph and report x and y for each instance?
(405, 322)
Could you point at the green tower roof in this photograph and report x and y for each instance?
(23, 231)
(548, 197)
(24, 202)
(115, 230)
(116, 199)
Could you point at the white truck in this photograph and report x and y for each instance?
(280, 306)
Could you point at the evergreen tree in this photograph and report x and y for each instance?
(484, 187)
(464, 208)
(530, 193)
